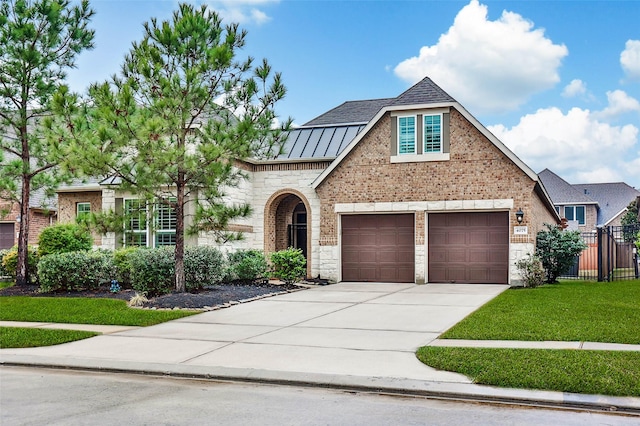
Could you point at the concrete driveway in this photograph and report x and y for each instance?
(353, 329)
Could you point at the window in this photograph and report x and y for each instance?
(135, 233)
(82, 211)
(558, 209)
(432, 131)
(165, 232)
(407, 135)
(575, 213)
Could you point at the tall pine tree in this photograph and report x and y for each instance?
(39, 40)
(173, 124)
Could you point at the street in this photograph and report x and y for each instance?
(32, 396)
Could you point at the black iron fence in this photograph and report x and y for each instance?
(610, 255)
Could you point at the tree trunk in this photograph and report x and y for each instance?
(22, 270)
(179, 250)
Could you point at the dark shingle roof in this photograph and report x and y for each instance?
(612, 198)
(560, 191)
(328, 134)
(351, 112)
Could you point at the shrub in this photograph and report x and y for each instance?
(152, 270)
(122, 262)
(75, 271)
(247, 266)
(531, 271)
(64, 238)
(3, 271)
(203, 266)
(10, 262)
(557, 249)
(289, 265)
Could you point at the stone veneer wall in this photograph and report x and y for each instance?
(476, 171)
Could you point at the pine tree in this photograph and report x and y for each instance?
(173, 124)
(39, 40)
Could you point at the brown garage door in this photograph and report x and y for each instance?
(6, 235)
(378, 248)
(469, 248)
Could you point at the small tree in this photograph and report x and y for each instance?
(39, 40)
(557, 249)
(173, 124)
(630, 222)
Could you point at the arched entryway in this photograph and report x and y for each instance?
(287, 223)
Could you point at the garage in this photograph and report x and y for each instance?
(470, 248)
(378, 248)
(6, 235)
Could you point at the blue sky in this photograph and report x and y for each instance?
(557, 81)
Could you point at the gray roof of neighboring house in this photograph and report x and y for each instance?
(612, 198)
(562, 192)
(328, 134)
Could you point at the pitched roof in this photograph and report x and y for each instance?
(327, 135)
(613, 198)
(561, 191)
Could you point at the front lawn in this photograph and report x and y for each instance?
(76, 310)
(576, 371)
(568, 311)
(20, 337)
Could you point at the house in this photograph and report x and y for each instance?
(405, 189)
(42, 213)
(589, 205)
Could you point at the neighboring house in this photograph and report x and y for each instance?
(406, 189)
(42, 213)
(589, 205)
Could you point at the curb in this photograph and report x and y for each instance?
(629, 406)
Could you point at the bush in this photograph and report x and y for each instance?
(64, 238)
(203, 266)
(289, 265)
(75, 271)
(152, 270)
(10, 263)
(246, 266)
(122, 262)
(557, 249)
(531, 271)
(3, 271)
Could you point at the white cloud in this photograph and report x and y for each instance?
(489, 66)
(619, 103)
(630, 59)
(241, 11)
(575, 88)
(576, 145)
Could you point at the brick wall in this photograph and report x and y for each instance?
(39, 219)
(67, 207)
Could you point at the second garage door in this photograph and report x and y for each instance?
(469, 248)
(378, 248)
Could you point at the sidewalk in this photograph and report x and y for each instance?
(360, 337)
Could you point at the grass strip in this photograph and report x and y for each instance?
(568, 311)
(19, 337)
(613, 373)
(76, 310)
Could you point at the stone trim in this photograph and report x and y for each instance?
(428, 206)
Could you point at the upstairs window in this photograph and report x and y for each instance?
(432, 131)
(407, 135)
(575, 213)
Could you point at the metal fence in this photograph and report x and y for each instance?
(610, 255)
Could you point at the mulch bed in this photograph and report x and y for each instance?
(209, 297)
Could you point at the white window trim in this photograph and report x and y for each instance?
(415, 135)
(157, 230)
(416, 158)
(82, 204)
(424, 133)
(149, 243)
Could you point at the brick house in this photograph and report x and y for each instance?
(406, 189)
(42, 213)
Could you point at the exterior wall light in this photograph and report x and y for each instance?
(519, 215)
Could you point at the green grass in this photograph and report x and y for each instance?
(5, 284)
(576, 371)
(568, 311)
(18, 337)
(76, 310)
